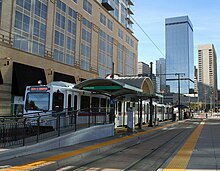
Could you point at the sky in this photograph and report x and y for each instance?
(150, 15)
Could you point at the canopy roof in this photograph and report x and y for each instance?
(135, 87)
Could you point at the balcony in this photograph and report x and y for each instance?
(130, 2)
(107, 5)
(130, 11)
(128, 18)
(129, 28)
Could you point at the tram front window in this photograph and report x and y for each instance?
(37, 101)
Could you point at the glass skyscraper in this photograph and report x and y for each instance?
(179, 53)
(161, 75)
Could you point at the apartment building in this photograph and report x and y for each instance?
(207, 75)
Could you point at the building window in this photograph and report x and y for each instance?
(110, 25)
(115, 12)
(105, 54)
(120, 59)
(129, 62)
(65, 41)
(59, 38)
(61, 5)
(72, 13)
(58, 56)
(30, 26)
(38, 48)
(21, 42)
(22, 21)
(102, 18)
(86, 45)
(120, 33)
(87, 6)
(123, 15)
(60, 20)
(25, 4)
(41, 9)
(39, 29)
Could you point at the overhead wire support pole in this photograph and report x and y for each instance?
(180, 117)
(151, 101)
(178, 79)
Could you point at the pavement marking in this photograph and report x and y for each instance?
(53, 159)
(181, 159)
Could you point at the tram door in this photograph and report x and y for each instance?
(72, 100)
(69, 101)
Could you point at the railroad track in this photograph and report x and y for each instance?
(147, 153)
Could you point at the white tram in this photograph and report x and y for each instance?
(161, 112)
(61, 96)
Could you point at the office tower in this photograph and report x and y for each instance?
(179, 53)
(207, 74)
(62, 40)
(161, 75)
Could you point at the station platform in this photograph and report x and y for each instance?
(201, 151)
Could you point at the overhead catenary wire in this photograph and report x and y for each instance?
(148, 36)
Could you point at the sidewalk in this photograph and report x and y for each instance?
(204, 155)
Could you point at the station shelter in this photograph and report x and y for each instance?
(134, 89)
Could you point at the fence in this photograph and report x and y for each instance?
(35, 127)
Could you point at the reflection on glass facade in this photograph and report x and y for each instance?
(160, 75)
(120, 59)
(105, 54)
(86, 44)
(65, 34)
(179, 52)
(129, 62)
(30, 26)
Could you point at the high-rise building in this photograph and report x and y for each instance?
(207, 74)
(161, 75)
(179, 53)
(62, 40)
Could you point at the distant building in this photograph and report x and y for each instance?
(207, 74)
(179, 53)
(161, 75)
(143, 69)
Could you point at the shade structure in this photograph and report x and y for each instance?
(135, 87)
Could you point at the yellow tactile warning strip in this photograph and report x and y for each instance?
(181, 159)
(52, 159)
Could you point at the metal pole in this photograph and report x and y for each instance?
(180, 118)
(151, 102)
(140, 124)
(113, 70)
